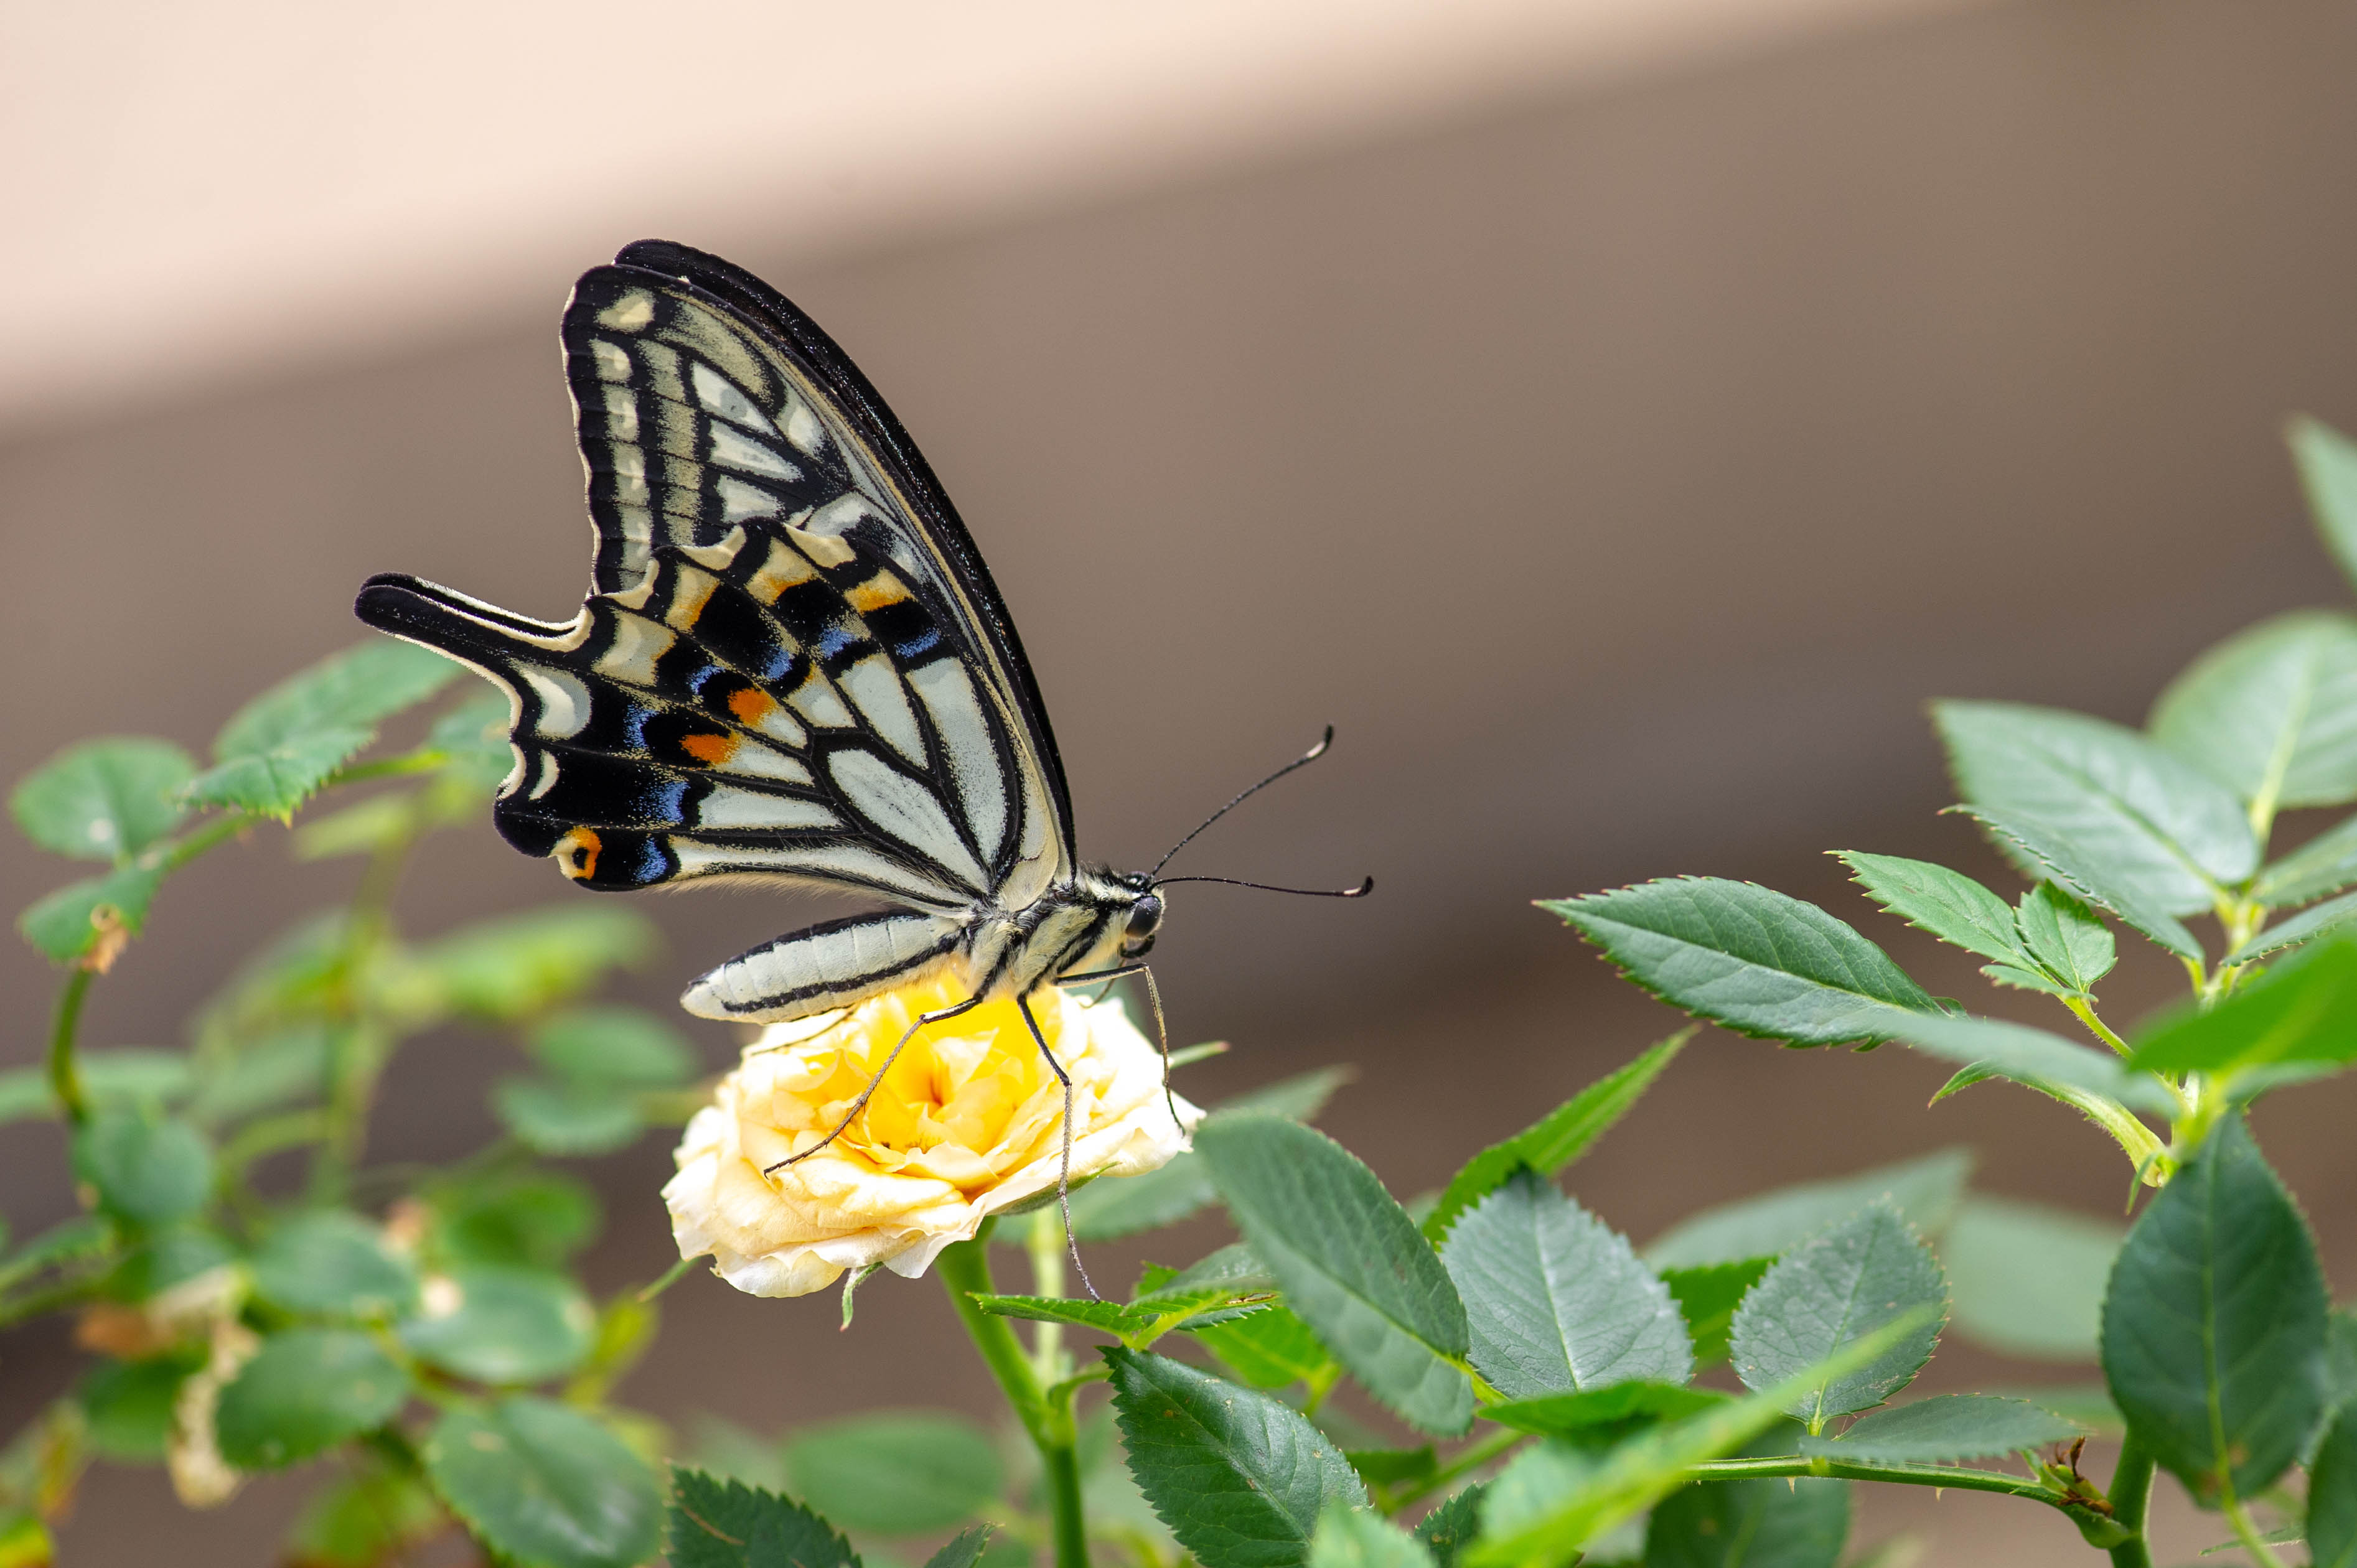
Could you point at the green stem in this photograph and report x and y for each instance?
(1947, 1476)
(2102, 1031)
(65, 1074)
(359, 1051)
(2249, 1534)
(964, 1269)
(1044, 1242)
(1470, 1459)
(2131, 1493)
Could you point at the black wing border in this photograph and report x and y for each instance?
(767, 311)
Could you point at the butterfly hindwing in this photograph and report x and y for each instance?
(739, 712)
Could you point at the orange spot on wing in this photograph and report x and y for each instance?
(577, 854)
(751, 705)
(712, 750)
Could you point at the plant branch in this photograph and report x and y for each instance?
(2131, 1494)
(1946, 1477)
(964, 1269)
(65, 1074)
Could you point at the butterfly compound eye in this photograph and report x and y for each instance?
(1144, 919)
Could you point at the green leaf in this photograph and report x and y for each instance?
(2044, 849)
(1107, 1210)
(168, 1257)
(67, 924)
(2024, 980)
(503, 1325)
(566, 1118)
(1116, 1318)
(1945, 1427)
(2031, 1056)
(365, 1521)
(2027, 1281)
(1556, 1302)
(2304, 1010)
(1926, 1190)
(537, 1218)
(332, 1263)
(132, 1076)
(2332, 1496)
(965, 1549)
(306, 1391)
(546, 1485)
(2064, 935)
(1736, 953)
(1351, 1263)
(104, 799)
(1239, 1478)
(1352, 1538)
(2325, 863)
(146, 1169)
(1230, 1274)
(473, 734)
(1707, 1296)
(1451, 1527)
(280, 747)
(1617, 1405)
(2271, 713)
(1270, 1348)
(2153, 824)
(2327, 471)
(625, 1047)
(1948, 904)
(2214, 1326)
(129, 1406)
(1556, 1498)
(1862, 1273)
(903, 1473)
(1555, 1140)
(2304, 926)
(1768, 1523)
(519, 965)
(720, 1524)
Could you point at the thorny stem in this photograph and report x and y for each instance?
(1046, 1415)
(1946, 1477)
(2085, 1009)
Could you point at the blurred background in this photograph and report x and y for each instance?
(1616, 416)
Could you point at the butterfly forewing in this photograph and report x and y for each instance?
(792, 664)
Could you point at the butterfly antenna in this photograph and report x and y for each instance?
(1360, 891)
(1307, 757)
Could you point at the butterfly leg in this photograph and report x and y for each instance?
(1065, 1175)
(1161, 1029)
(938, 1015)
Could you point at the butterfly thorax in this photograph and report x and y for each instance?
(1097, 920)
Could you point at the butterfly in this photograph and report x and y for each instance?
(792, 666)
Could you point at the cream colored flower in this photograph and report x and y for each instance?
(966, 1125)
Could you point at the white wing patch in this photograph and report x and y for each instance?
(905, 810)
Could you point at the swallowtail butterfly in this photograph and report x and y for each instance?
(791, 666)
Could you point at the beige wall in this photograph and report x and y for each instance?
(1618, 470)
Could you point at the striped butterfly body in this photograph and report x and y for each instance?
(791, 666)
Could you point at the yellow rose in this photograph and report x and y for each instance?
(966, 1125)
